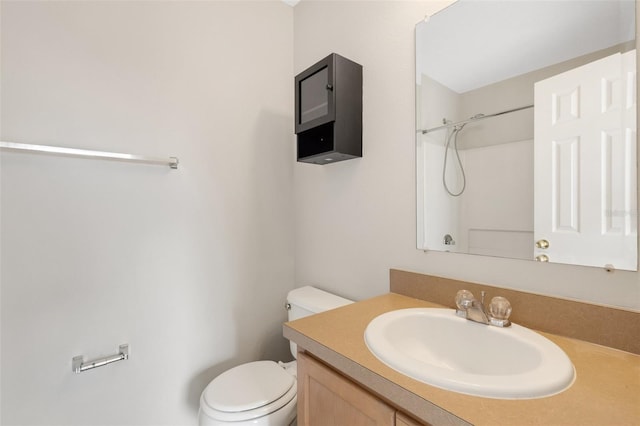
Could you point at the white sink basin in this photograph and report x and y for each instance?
(441, 349)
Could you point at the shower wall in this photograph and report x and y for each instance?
(494, 215)
(441, 211)
(497, 207)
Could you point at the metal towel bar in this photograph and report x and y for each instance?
(171, 161)
(78, 366)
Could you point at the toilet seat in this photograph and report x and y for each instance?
(248, 391)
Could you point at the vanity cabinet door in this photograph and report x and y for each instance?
(326, 398)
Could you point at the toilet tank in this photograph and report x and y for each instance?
(305, 301)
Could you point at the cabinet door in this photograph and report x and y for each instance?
(315, 98)
(327, 398)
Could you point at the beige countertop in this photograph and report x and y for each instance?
(606, 390)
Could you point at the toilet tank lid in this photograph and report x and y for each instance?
(315, 300)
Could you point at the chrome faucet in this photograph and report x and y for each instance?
(473, 309)
(477, 312)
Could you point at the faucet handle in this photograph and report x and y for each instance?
(500, 310)
(464, 300)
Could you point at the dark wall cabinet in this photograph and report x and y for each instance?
(329, 111)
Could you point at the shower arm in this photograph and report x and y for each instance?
(474, 118)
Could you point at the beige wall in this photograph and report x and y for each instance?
(190, 266)
(356, 219)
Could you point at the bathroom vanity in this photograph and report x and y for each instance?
(341, 381)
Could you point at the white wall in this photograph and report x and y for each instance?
(356, 219)
(190, 266)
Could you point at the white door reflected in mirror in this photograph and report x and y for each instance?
(587, 116)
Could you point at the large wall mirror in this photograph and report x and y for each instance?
(526, 131)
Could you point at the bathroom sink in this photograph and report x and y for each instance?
(441, 349)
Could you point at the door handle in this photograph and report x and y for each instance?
(542, 258)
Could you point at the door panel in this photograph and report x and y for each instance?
(585, 164)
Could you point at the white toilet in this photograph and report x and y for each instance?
(263, 392)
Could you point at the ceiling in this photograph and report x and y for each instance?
(473, 43)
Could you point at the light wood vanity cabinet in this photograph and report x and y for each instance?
(326, 398)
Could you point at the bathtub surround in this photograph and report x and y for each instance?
(188, 266)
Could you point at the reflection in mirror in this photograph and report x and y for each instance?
(526, 131)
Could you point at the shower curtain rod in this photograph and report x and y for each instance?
(474, 118)
(171, 161)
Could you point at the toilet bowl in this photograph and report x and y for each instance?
(263, 392)
(256, 393)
